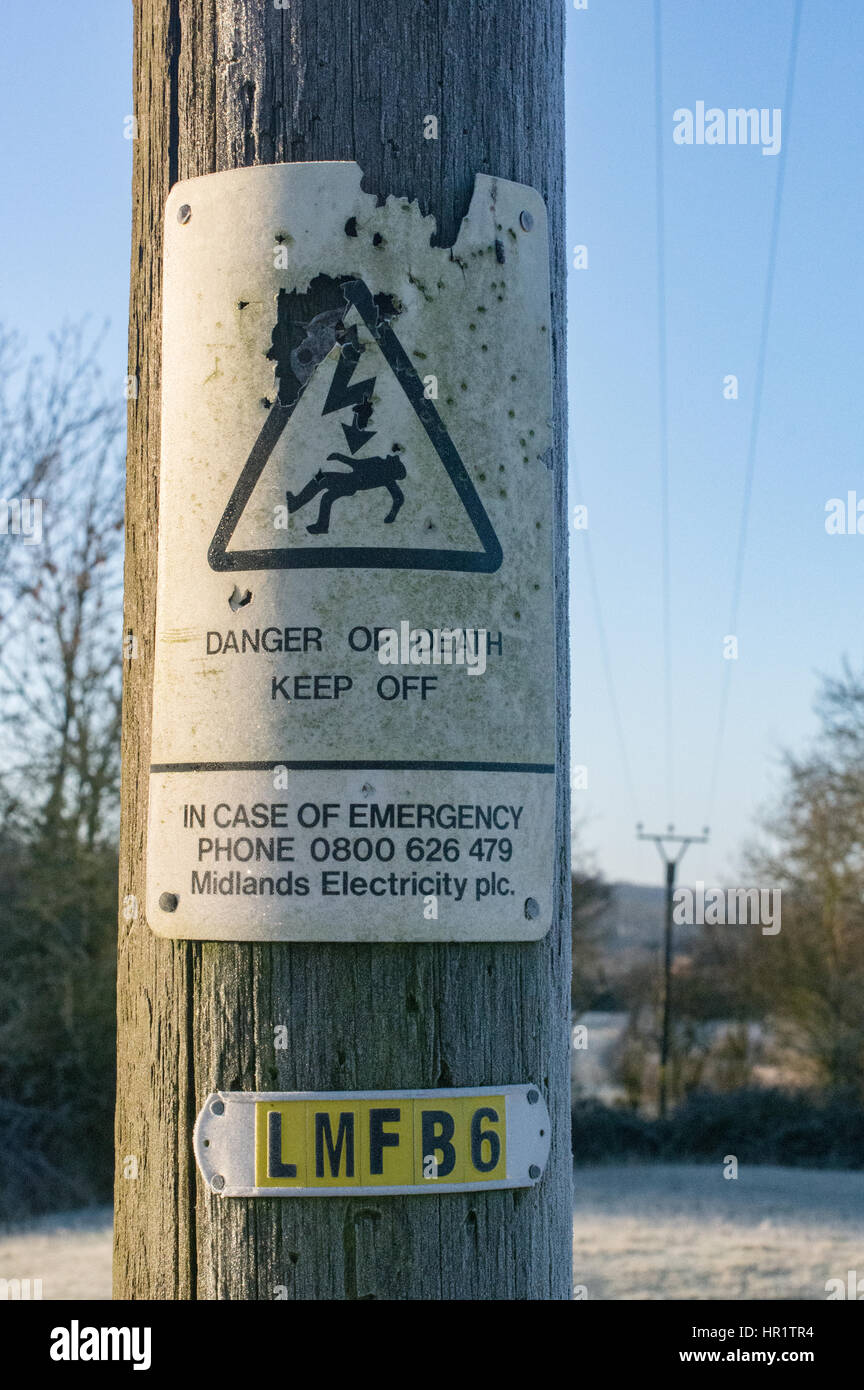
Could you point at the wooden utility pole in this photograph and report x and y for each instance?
(244, 82)
(671, 862)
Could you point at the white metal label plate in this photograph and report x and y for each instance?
(343, 1143)
(353, 713)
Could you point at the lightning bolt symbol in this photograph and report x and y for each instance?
(343, 394)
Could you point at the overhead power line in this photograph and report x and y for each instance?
(758, 391)
(614, 706)
(662, 367)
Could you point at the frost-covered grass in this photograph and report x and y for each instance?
(640, 1231)
(669, 1231)
(69, 1251)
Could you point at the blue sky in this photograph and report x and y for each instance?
(798, 604)
(64, 224)
(65, 169)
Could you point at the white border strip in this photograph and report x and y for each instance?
(224, 1141)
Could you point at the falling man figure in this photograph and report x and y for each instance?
(366, 473)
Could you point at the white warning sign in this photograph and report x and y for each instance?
(353, 713)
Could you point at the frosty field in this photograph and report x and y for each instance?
(69, 1251)
(640, 1231)
(670, 1231)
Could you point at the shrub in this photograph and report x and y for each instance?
(801, 1129)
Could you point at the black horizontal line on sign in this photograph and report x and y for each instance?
(352, 766)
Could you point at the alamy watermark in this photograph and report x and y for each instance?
(734, 126)
(849, 1288)
(77, 1343)
(434, 646)
(17, 1289)
(22, 517)
(720, 907)
(845, 515)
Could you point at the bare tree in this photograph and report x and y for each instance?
(60, 670)
(60, 590)
(811, 976)
(591, 897)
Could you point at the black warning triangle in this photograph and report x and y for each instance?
(484, 561)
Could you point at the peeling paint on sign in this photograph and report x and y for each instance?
(353, 711)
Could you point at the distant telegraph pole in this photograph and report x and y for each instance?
(230, 1006)
(671, 862)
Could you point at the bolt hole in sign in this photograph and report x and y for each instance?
(342, 1143)
(353, 702)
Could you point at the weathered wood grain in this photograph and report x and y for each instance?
(221, 83)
